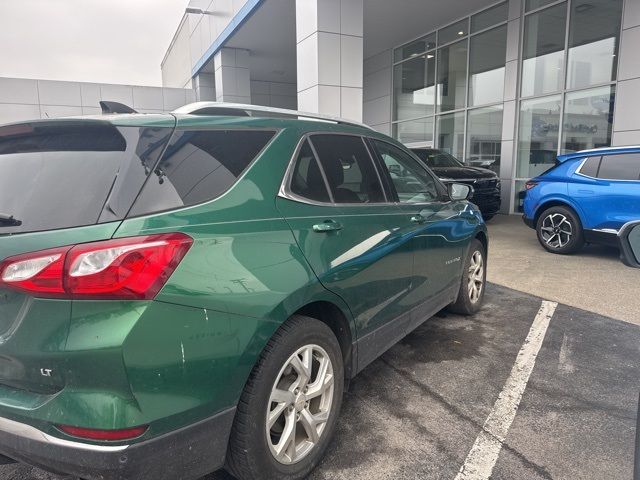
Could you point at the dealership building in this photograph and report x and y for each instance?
(504, 85)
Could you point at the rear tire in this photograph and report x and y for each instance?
(472, 283)
(488, 217)
(560, 231)
(281, 407)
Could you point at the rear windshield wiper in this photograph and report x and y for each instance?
(9, 221)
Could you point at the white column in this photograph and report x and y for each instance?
(205, 87)
(232, 74)
(330, 57)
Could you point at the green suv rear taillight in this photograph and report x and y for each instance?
(120, 269)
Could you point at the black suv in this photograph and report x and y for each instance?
(485, 182)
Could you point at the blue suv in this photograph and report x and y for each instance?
(585, 198)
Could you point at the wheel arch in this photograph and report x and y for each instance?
(557, 202)
(483, 238)
(332, 315)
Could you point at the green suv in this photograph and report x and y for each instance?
(191, 291)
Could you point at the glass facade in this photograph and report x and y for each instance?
(453, 87)
(486, 66)
(451, 133)
(588, 119)
(484, 134)
(452, 76)
(569, 69)
(543, 51)
(448, 88)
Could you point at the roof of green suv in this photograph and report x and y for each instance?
(187, 120)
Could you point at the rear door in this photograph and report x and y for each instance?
(62, 183)
(435, 225)
(612, 198)
(349, 233)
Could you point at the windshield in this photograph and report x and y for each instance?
(65, 174)
(436, 158)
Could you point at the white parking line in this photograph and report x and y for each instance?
(484, 454)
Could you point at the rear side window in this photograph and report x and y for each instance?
(67, 174)
(348, 168)
(590, 167)
(198, 166)
(307, 181)
(625, 166)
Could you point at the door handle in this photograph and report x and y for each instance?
(327, 226)
(417, 218)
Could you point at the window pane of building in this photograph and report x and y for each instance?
(453, 32)
(415, 48)
(543, 53)
(491, 16)
(414, 131)
(534, 4)
(593, 42)
(451, 134)
(538, 135)
(414, 87)
(588, 119)
(484, 137)
(452, 76)
(486, 65)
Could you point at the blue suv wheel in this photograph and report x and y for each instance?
(560, 231)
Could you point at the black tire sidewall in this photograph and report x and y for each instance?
(305, 331)
(576, 241)
(463, 304)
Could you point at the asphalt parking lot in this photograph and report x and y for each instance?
(416, 412)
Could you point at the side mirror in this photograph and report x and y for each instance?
(459, 191)
(629, 238)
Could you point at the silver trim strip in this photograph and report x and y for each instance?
(612, 231)
(31, 433)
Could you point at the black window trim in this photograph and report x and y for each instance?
(285, 186)
(444, 197)
(203, 128)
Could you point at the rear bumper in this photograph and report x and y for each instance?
(188, 453)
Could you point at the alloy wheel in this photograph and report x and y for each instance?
(300, 404)
(556, 230)
(476, 276)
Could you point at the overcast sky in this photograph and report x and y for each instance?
(107, 41)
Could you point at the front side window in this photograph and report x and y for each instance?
(198, 166)
(625, 166)
(412, 182)
(348, 168)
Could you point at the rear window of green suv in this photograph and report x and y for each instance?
(63, 174)
(198, 166)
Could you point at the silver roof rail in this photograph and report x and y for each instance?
(244, 110)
